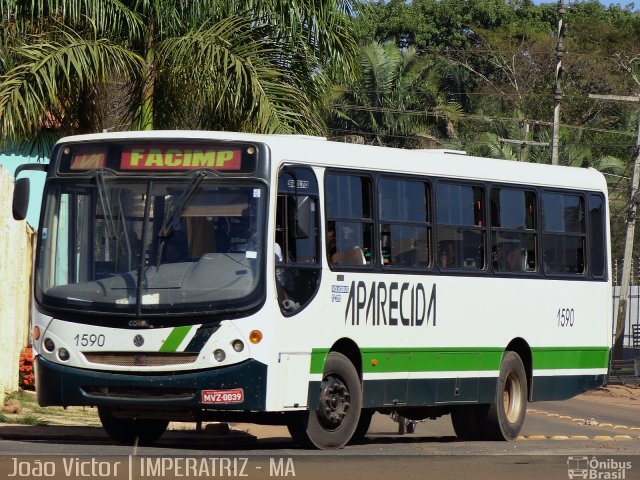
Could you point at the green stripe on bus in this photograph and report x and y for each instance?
(431, 360)
(175, 338)
(318, 356)
(554, 358)
(388, 360)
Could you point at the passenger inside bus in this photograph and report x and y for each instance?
(348, 252)
(509, 257)
(331, 244)
(447, 254)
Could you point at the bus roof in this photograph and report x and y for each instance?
(317, 151)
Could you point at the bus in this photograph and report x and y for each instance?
(290, 280)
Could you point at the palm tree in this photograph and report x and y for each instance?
(394, 100)
(72, 66)
(573, 152)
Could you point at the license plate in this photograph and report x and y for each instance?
(235, 395)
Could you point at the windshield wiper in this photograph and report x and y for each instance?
(110, 225)
(123, 222)
(171, 220)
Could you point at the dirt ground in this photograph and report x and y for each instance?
(615, 394)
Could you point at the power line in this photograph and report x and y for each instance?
(429, 113)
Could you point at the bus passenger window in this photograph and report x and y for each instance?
(513, 230)
(349, 219)
(461, 232)
(597, 237)
(405, 223)
(564, 233)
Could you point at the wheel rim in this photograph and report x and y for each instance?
(334, 403)
(512, 397)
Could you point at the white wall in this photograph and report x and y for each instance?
(15, 271)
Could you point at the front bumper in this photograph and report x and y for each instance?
(65, 386)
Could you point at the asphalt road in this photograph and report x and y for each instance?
(582, 436)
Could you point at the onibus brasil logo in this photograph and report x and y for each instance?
(594, 468)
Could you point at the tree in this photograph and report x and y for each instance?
(243, 65)
(394, 100)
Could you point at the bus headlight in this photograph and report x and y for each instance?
(219, 355)
(63, 354)
(49, 346)
(237, 345)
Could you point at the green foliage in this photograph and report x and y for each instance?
(71, 66)
(394, 100)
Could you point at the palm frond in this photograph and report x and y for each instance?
(107, 16)
(49, 70)
(610, 164)
(236, 69)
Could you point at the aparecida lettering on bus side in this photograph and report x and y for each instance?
(393, 304)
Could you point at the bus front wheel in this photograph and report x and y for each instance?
(505, 416)
(131, 430)
(338, 407)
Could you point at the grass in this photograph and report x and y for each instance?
(33, 414)
(29, 419)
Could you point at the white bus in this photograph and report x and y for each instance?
(215, 276)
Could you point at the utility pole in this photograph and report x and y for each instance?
(557, 93)
(623, 301)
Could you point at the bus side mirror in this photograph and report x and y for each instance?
(21, 198)
(304, 215)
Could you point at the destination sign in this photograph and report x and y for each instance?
(88, 161)
(158, 157)
(180, 158)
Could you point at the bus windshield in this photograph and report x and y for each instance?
(149, 247)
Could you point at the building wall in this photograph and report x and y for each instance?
(16, 240)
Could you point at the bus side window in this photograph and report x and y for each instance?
(564, 233)
(597, 237)
(461, 231)
(349, 214)
(405, 222)
(513, 230)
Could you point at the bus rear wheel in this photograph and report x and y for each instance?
(466, 420)
(131, 430)
(338, 408)
(505, 416)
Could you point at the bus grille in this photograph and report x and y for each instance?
(141, 392)
(148, 359)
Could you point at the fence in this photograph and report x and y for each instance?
(16, 247)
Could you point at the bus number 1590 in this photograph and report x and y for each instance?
(566, 317)
(86, 340)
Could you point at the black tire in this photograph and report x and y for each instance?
(297, 426)
(339, 406)
(466, 421)
(363, 426)
(505, 416)
(131, 430)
